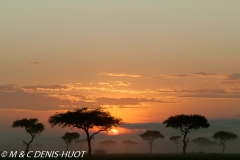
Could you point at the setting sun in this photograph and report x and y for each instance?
(113, 132)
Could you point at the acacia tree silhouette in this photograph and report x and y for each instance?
(150, 136)
(175, 140)
(86, 119)
(201, 141)
(69, 137)
(107, 143)
(129, 143)
(186, 123)
(224, 136)
(31, 126)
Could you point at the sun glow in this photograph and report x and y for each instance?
(113, 132)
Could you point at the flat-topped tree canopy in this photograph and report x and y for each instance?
(187, 122)
(174, 138)
(201, 141)
(69, 137)
(225, 135)
(150, 136)
(31, 125)
(86, 119)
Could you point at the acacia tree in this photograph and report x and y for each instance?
(186, 123)
(31, 126)
(150, 136)
(128, 143)
(69, 137)
(224, 136)
(175, 140)
(86, 119)
(107, 143)
(201, 141)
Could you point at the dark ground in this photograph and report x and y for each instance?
(195, 156)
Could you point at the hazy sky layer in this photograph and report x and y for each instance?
(141, 60)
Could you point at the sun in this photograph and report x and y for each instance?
(113, 132)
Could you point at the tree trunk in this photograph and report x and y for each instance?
(176, 146)
(184, 148)
(185, 141)
(127, 148)
(89, 147)
(151, 146)
(28, 144)
(89, 143)
(67, 146)
(223, 149)
(27, 149)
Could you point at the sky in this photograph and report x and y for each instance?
(142, 61)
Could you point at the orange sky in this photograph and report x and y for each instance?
(142, 61)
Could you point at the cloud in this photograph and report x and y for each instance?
(197, 74)
(120, 83)
(232, 79)
(195, 90)
(121, 75)
(70, 87)
(34, 62)
(54, 97)
(77, 86)
(72, 98)
(115, 83)
(40, 101)
(54, 87)
(7, 88)
(202, 92)
(126, 101)
(147, 126)
(24, 100)
(117, 90)
(211, 96)
(45, 87)
(231, 125)
(14, 96)
(129, 107)
(227, 79)
(203, 74)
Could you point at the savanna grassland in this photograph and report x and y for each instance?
(164, 157)
(192, 156)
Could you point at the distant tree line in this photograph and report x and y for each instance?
(187, 123)
(86, 119)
